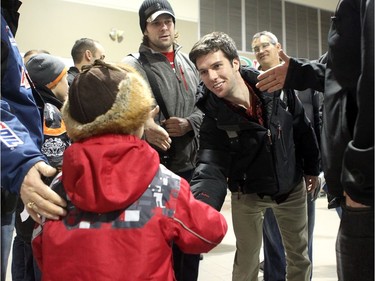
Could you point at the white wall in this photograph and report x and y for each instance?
(54, 25)
(184, 10)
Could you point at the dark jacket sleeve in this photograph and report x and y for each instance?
(209, 181)
(307, 149)
(303, 74)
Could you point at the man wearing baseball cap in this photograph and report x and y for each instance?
(173, 78)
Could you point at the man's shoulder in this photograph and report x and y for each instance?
(73, 70)
(249, 74)
(131, 57)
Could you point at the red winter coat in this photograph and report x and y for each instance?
(124, 212)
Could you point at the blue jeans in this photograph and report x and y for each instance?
(274, 253)
(24, 267)
(7, 227)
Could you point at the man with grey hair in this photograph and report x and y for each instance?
(266, 48)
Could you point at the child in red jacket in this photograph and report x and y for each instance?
(125, 209)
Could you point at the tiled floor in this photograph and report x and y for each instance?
(217, 264)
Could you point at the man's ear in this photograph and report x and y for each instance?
(88, 55)
(236, 63)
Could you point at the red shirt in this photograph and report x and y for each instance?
(254, 111)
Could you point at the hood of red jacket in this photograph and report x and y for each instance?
(109, 172)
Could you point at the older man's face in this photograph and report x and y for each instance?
(266, 53)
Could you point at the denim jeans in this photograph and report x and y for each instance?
(7, 228)
(24, 267)
(274, 254)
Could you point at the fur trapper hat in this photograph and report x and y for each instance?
(106, 99)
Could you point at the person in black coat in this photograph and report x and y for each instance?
(347, 141)
(248, 142)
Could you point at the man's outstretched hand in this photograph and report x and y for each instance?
(273, 79)
(156, 134)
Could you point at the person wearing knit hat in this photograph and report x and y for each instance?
(125, 209)
(49, 74)
(173, 131)
(151, 9)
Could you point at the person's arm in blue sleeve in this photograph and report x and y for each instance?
(22, 165)
(17, 145)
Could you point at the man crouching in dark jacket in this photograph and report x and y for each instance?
(248, 142)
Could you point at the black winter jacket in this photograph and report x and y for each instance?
(246, 162)
(347, 79)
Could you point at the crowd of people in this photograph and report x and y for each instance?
(137, 157)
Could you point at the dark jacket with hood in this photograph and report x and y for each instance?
(247, 163)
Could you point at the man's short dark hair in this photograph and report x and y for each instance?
(80, 46)
(213, 42)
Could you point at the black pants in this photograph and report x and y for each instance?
(186, 266)
(355, 245)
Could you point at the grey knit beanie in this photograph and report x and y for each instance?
(46, 70)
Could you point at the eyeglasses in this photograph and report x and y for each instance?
(260, 47)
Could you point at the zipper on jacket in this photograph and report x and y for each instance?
(278, 131)
(269, 136)
(183, 77)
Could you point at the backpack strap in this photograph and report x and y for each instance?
(153, 83)
(288, 99)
